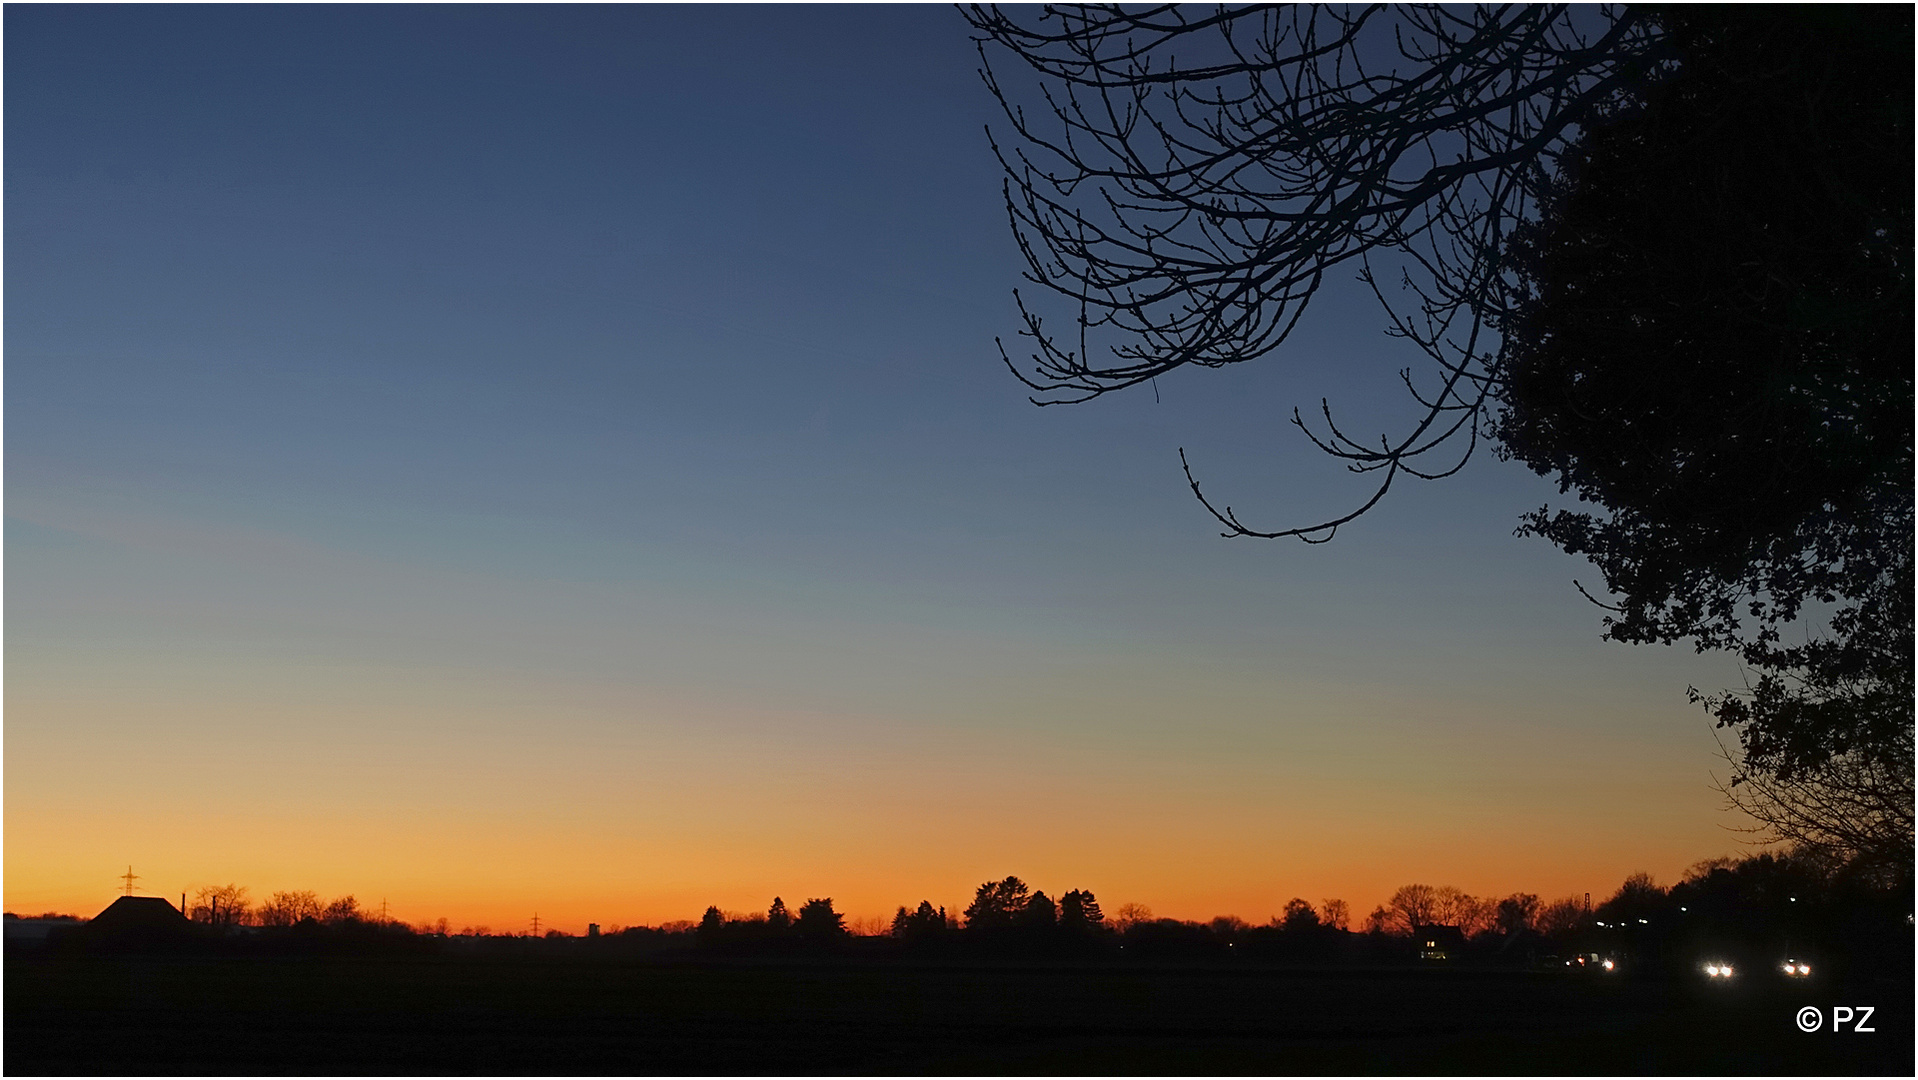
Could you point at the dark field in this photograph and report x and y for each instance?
(441, 1015)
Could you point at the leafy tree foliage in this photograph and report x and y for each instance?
(1715, 349)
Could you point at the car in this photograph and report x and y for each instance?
(1594, 962)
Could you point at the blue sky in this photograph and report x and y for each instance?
(609, 395)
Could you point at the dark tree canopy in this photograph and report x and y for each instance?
(997, 904)
(1300, 915)
(1079, 910)
(1516, 912)
(1717, 348)
(1716, 351)
(1039, 911)
(818, 921)
(924, 922)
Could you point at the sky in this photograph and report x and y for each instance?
(498, 460)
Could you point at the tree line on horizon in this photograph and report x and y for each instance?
(1009, 912)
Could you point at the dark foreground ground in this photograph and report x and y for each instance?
(172, 1015)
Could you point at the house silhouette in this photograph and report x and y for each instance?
(140, 920)
(1439, 942)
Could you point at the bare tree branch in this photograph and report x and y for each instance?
(1197, 172)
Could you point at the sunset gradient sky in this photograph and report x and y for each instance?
(508, 459)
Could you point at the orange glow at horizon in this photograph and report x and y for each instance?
(689, 805)
(489, 492)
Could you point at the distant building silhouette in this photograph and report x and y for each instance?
(1439, 942)
(35, 931)
(140, 920)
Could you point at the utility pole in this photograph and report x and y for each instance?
(535, 924)
(129, 877)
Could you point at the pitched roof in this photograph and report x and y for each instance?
(1441, 935)
(139, 914)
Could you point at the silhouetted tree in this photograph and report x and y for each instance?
(1038, 912)
(1335, 914)
(1638, 898)
(1299, 916)
(1411, 906)
(1380, 921)
(996, 903)
(1562, 916)
(1079, 911)
(343, 910)
(1670, 248)
(1473, 915)
(819, 922)
(1441, 905)
(1131, 915)
(920, 924)
(1226, 928)
(1714, 349)
(777, 917)
(1516, 912)
(1759, 888)
(711, 926)
(1199, 171)
(1855, 806)
(219, 905)
(288, 908)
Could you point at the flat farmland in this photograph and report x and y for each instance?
(253, 1015)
